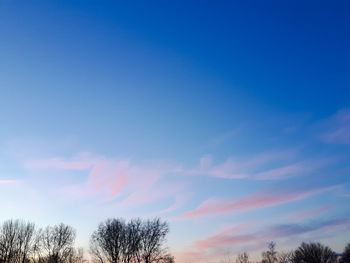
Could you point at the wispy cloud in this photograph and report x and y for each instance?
(7, 181)
(304, 214)
(267, 197)
(109, 178)
(265, 166)
(220, 238)
(80, 161)
(229, 169)
(300, 168)
(221, 138)
(233, 168)
(180, 201)
(337, 128)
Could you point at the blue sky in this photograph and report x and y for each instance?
(229, 119)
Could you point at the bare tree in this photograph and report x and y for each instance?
(96, 250)
(16, 238)
(270, 256)
(242, 258)
(57, 243)
(77, 256)
(106, 244)
(314, 253)
(24, 240)
(166, 258)
(134, 242)
(152, 240)
(346, 254)
(285, 257)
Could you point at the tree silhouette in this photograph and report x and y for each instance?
(16, 237)
(54, 244)
(314, 253)
(270, 256)
(137, 241)
(242, 258)
(346, 254)
(153, 235)
(285, 257)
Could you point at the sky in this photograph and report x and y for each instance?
(228, 119)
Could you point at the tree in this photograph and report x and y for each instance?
(77, 256)
(270, 256)
(107, 241)
(314, 253)
(21, 242)
(285, 257)
(346, 254)
(242, 258)
(16, 238)
(116, 241)
(152, 239)
(132, 241)
(24, 240)
(57, 241)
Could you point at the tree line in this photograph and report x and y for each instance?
(133, 241)
(114, 241)
(313, 252)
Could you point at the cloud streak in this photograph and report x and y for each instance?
(110, 179)
(267, 197)
(337, 128)
(305, 214)
(267, 166)
(7, 181)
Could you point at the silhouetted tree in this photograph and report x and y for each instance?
(314, 253)
(285, 257)
(20, 242)
(152, 240)
(107, 241)
(270, 256)
(166, 258)
(77, 256)
(16, 238)
(346, 254)
(55, 243)
(242, 258)
(134, 242)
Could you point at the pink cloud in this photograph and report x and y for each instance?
(220, 238)
(7, 181)
(110, 178)
(267, 197)
(305, 214)
(228, 169)
(180, 200)
(296, 169)
(233, 168)
(154, 192)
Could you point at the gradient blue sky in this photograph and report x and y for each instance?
(229, 119)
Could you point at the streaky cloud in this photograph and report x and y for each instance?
(337, 128)
(7, 181)
(267, 197)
